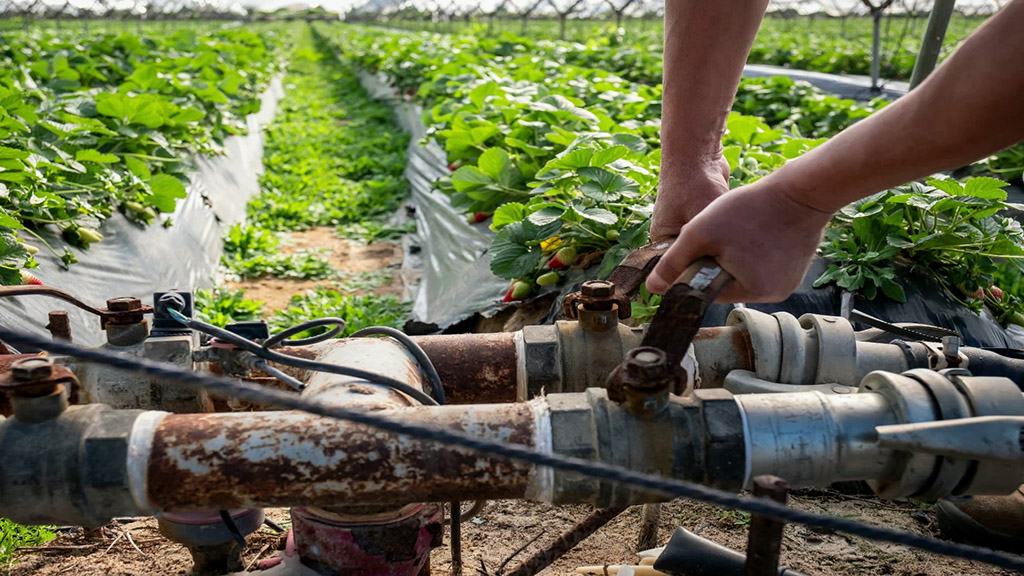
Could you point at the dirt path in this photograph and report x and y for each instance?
(376, 265)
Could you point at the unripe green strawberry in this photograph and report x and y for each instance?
(87, 236)
(612, 235)
(548, 279)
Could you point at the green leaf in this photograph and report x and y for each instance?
(8, 221)
(469, 178)
(96, 156)
(631, 141)
(481, 92)
(987, 188)
(947, 185)
(507, 214)
(511, 256)
(7, 153)
(608, 155)
(600, 215)
(495, 163)
(571, 161)
(546, 215)
(138, 167)
(165, 190)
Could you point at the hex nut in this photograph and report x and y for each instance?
(597, 289)
(124, 304)
(29, 369)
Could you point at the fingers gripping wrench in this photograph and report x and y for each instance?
(659, 361)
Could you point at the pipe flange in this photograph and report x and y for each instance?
(798, 365)
(989, 396)
(765, 340)
(949, 472)
(837, 348)
(911, 402)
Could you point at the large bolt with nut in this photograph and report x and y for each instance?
(643, 382)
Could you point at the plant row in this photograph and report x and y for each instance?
(563, 161)
(333, 158)
(91, 125)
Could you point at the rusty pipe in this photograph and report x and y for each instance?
(264, 459)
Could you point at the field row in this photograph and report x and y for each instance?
(562, 161)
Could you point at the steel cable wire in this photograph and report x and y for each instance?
(228, 388)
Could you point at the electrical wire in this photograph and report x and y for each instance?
(296, 362)
(668, 487)
(426, 365)
(281, 338)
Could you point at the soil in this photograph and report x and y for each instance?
(345, 255)
(504, 527)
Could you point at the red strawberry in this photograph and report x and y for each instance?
(996, 292)
(517, 291)
(563, 258)
(479, 217)
(453, 166)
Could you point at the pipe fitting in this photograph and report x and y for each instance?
(67, 470)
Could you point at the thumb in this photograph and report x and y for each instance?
(683, 252)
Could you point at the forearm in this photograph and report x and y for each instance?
(970, 107)
(706, 45)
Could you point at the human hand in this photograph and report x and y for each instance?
(684, 192)
(760, 236)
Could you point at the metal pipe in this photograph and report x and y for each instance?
(474, 368)
(931, 44)
(263, 459)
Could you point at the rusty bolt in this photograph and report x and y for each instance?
(648, 367)
(124, 304)
(30, 369)
(597, 289)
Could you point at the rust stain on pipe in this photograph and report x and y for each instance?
(474, 368)
(251, 460)
(721, 349)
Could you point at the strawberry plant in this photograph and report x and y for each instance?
(953, 230)
(93, 125)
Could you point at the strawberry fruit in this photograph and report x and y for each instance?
(517, 291)
(563, 258)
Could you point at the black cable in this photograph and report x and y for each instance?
(294, 361)
(281, 338)
(426, 365)
(672, 488)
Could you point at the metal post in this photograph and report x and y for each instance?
(931, 44)
(876, 50)
(764, 542)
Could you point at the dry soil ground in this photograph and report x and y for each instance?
(505, 526)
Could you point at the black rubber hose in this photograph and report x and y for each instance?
(267, 354)
(281, 338)
(421, 357)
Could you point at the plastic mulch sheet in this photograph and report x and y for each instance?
(456, 280)
(136, 261)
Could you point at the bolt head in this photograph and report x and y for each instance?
(598, 289)
(647, 364)
(124, 304)
(32, 369)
